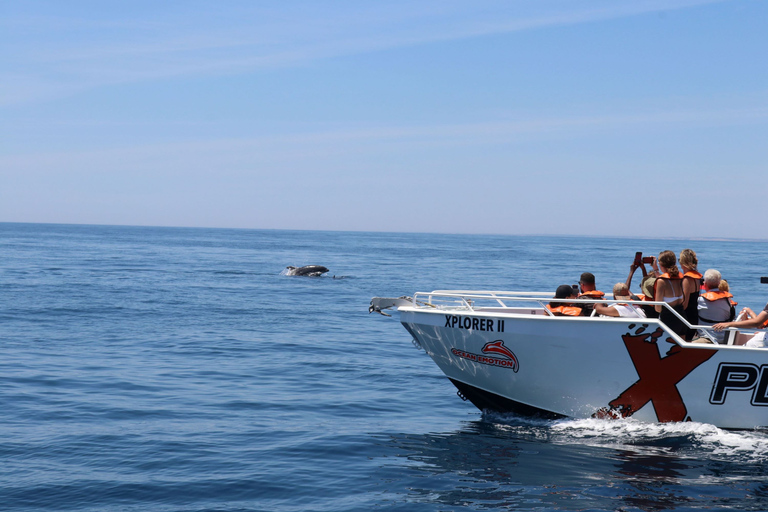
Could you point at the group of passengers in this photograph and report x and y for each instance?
(701, 300)
(586, 289)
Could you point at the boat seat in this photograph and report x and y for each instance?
(738, 338)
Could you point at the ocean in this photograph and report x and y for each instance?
(179, 369)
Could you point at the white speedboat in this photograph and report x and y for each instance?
(507, 352)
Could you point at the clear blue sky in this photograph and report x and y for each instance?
(612, 117)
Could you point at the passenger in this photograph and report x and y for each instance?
(587, 286)
(691, 287)
(647, 285)
(725, 287)
(564, 291)
(669, 288)
(620, 292)
(588, 291)
(714, 306)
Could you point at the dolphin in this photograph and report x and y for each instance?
(309, 270)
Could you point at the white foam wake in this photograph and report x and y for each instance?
(680, 437)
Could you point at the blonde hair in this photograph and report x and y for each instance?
(723, 286)
(668, 261)
(688, 259)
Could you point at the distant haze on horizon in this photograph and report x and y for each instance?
(415, 233)
(641, 118)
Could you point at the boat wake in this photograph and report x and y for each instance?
(628, 434)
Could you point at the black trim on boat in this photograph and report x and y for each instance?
(486, 401)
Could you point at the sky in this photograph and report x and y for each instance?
(600, 117)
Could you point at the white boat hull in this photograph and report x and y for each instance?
(583, 367)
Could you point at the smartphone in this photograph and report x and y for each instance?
(764, 280)
(638, 258)
(648, 259)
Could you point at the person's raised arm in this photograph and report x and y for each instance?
(632, 269)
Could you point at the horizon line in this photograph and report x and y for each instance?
(437, 233)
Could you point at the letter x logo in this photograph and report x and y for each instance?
(658, 377)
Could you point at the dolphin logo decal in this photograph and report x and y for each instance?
(497, 347)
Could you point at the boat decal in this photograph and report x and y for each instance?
(508, 358)
(659, 377)
(473, 323)
(740, 377)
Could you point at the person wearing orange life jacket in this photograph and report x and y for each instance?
(669, 288)
(620, 292)
(564, 291)
(691, 287)
(588, 291)
(714, 305)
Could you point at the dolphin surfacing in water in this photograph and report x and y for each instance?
(308, 270)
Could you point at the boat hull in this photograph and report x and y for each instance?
(580, 367)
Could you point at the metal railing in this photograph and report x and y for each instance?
(476, 300)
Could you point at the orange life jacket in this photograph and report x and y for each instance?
(713, 295)
(717, 294)
(565, 310)
(692, 274)
(594, 294)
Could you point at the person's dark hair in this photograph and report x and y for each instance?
(564, 291)
(588, 278)
(668, 260)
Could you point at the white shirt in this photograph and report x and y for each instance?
(629, 310)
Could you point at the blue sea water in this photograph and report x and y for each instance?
(168, 369)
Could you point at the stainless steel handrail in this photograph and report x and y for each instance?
(466, 298)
